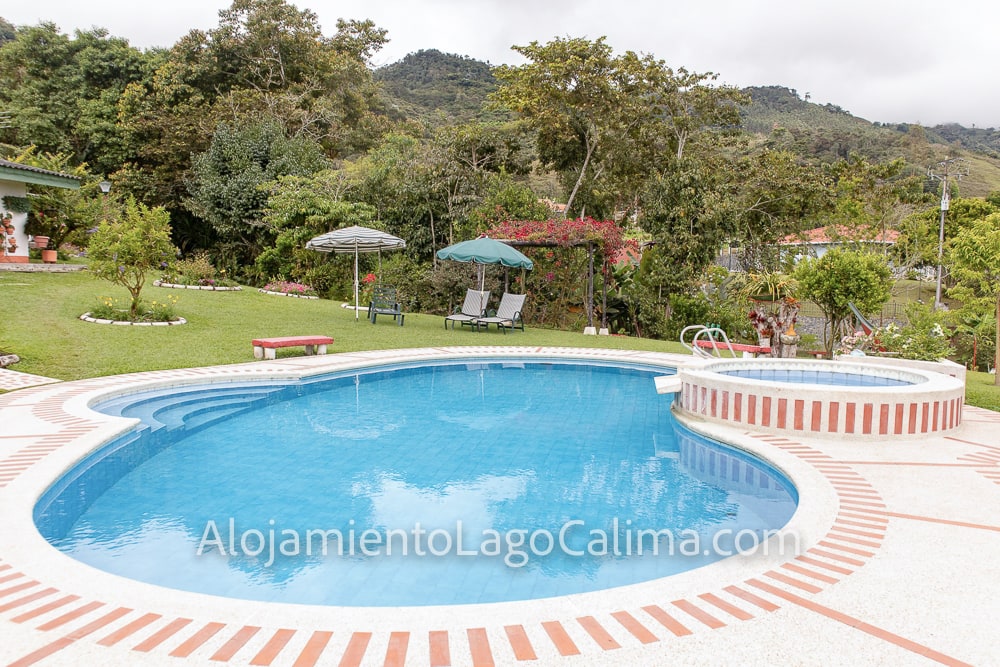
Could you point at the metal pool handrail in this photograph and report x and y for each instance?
(710, 334)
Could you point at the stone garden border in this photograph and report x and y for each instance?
(210, 288)
(294, 296)
(87, 318)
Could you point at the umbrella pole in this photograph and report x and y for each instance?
(355, 281)
(482, 287)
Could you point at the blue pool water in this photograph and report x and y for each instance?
(475, 482)
(811, 376)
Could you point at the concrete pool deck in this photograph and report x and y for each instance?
(899, 561)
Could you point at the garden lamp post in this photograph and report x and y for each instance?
(105, 187)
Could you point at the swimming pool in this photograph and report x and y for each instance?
(579, 452)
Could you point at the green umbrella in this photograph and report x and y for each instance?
(482, 251)
(485, 250)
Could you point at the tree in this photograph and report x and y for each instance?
(226, 182)
(975, 266)
(767, 196)
(840, 278)
(504, 199)
(919, 232)
(7, 31)
(125, 250)
(62, 93)
(271, 59)
(265, 60)
(687, 105)
(299, 208)
(872, 198)
(686, 238)
(605, 122)
(398, 178)
(572, 93)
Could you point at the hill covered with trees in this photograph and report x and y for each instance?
(827, 132)
(437, 88)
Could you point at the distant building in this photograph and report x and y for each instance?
(629, 254)
(818, 241)
(554, 206)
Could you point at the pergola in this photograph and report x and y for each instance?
(589, 305)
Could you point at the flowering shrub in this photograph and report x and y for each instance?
(565, 233)
(287, 287)
(109, 308)
(557, 284)
(923, 337)
(7, 241)
(859, 340)
(368, 287)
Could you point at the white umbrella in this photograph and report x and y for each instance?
(357, 240)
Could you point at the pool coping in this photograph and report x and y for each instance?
(844, 519)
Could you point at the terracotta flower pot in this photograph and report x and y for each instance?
(41, 242)
(49, 256)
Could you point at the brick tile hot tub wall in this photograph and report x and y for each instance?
(932, 404)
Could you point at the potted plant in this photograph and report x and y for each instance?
(774, 309)
(8, 242)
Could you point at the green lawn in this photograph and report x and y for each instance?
(40, 324)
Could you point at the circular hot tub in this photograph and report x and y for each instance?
(859, 400)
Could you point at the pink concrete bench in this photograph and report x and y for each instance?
(737, 347)
(265, 348)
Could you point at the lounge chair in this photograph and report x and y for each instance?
(473, 308)
(384, 303)
(507, 315)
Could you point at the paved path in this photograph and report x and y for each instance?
(11, 380)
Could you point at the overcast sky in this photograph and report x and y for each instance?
(893, 61)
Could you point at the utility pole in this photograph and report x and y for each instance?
(952, 167)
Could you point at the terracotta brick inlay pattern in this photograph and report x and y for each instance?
(855, 537)
(899, 416)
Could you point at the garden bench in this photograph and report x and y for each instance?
(747, 350)
(265, 348)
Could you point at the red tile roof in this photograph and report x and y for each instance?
(839, 233)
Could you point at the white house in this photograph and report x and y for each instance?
(818, 241)
(14, 181)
